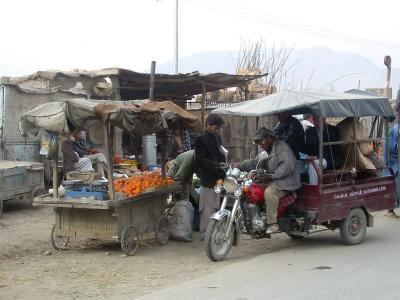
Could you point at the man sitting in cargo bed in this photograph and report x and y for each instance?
(331, 153)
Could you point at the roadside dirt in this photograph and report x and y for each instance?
(93, 270)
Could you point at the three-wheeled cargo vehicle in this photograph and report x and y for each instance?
(342, 198)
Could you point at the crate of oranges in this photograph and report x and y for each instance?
(136, 185)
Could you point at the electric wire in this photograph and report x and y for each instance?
(273, 21)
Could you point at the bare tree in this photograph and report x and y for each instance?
(255, 58)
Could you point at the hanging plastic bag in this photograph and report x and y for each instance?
(48, 145)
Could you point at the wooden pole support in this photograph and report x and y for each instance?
(55, 173)
(203, 104)
(321, 152)
(109, 161)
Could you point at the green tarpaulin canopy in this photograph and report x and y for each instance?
(323, 103)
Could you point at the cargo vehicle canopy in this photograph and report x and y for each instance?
(327, 104)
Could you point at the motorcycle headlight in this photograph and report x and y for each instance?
(218, 188)
(230, 185)
(238, 192)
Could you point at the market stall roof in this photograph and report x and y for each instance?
(322, 103)
(146, 117)
(134, 85)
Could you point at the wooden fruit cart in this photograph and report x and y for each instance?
(123, 220)
(117, 219)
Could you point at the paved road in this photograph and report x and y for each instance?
(318, 267)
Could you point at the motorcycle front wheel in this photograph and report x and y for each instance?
(217, 241)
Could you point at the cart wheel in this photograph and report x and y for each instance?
(354, 227)
(129, 240)
(37, 191)
(162, 230)
(59, 242)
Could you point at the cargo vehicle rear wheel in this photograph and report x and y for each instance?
(354, 227)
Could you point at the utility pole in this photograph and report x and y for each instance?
(152, 79)
(176, 37)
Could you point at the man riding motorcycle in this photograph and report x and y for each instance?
(281, 176)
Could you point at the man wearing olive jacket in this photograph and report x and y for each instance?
(208, 157)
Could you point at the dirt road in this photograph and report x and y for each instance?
(97, 270)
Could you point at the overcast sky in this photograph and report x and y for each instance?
(59, 34)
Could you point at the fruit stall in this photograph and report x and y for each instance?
(124, 207)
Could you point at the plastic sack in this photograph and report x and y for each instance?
(182, 221)
(48, 145)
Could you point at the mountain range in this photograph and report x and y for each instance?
(314, 68)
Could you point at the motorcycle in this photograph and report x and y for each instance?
(243, 206)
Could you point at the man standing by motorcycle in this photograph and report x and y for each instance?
(208, 156)
(281, 176)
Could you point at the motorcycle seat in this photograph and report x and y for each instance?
(287, 199)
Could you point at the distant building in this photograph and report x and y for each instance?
(379, 91)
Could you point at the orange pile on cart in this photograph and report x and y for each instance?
(135, 185)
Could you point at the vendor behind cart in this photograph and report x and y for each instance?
(84, 150)
(178, 140)
(72, 161)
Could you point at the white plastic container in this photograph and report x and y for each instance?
(149, 143)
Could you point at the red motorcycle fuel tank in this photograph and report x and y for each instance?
(256, 194)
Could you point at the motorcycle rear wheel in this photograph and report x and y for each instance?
(217, 246)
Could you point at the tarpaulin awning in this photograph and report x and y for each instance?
(135, 85)
(323, 103)
(141, 116)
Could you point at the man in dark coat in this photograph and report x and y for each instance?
(208, 156)
(290, 131)
(331, 153)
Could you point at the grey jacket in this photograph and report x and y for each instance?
(252, 164)
(281, 162)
